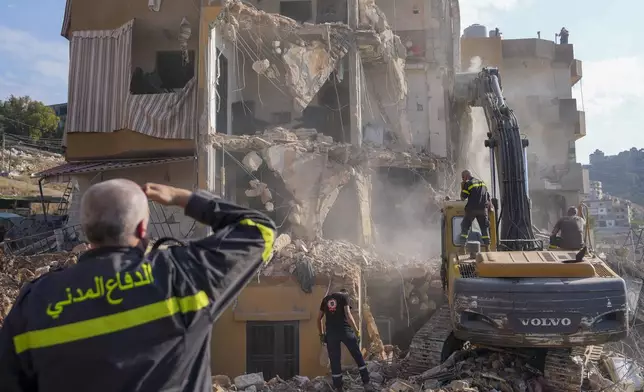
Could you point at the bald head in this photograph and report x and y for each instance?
(114, 213)
(466, 175)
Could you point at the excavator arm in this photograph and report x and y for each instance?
(508, 153)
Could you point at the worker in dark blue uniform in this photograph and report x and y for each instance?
(339, 328)
(478, 202)
(121, 320)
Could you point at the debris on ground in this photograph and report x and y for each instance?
(24, 161)
(15, 272)
(471, 370)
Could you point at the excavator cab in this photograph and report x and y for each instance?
(453, 213)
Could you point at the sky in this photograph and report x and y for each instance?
(606, 37)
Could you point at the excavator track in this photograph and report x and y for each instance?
(426, 348)
(565, 374)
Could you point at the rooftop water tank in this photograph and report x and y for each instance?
(475, 31)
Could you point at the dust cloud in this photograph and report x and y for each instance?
(406, 216)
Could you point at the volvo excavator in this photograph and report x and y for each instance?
(554, 306)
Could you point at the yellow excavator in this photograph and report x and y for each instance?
(553, 304)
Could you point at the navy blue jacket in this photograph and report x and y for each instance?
(122, 321)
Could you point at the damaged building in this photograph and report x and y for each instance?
(331, 117)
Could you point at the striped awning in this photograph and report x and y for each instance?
(67, 19)
(99, 166)
(100, 69)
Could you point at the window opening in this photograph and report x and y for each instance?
(172, 70)
(456, 229)
(273, 348)
(300, 11)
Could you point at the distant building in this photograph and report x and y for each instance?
(61, 112)
(596, 191)
(611, 214)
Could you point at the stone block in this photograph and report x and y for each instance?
(252, 161)
(247, 380)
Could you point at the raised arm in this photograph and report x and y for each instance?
(224, 262)
(464, 192)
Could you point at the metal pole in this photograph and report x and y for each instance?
(355, 77)
(42, 197)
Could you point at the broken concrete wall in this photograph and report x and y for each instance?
(313, 170)
(384, 97)
(297, 59)
(343, 220)
(290, 62)
(312, 182)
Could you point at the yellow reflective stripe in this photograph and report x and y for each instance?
(109, 324)
(476, 185)
(465, 191)
(485, 236)
(268, 235)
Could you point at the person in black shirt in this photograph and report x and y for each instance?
(478, 201)
(340, 327)
(572, 232)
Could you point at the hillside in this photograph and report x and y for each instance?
(19, 164)
(622, 175)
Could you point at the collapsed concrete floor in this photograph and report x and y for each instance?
(317, 175)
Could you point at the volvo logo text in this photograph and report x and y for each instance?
(545, 322)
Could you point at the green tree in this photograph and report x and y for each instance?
(24, 116)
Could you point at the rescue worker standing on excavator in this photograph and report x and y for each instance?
(124, 320)
(478, 202)
(572, 232)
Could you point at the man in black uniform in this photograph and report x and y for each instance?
(478, 201)
(340, 327)
(119, 320)
(572, 232)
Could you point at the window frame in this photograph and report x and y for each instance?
(281, 360)
(456, 229)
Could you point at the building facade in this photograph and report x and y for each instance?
(537, 77)
(61, 111)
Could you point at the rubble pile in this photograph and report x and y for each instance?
(303, 140)
(337, 258)
(299, 57)
(16, 271)
(470, 370)
(24, 161)
(482, 370)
